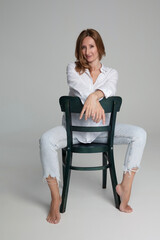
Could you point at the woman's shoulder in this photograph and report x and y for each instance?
(109, 73)
(71, 67)
(108, 70)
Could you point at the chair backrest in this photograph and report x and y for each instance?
(74, 105)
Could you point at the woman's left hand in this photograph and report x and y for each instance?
(92, 108)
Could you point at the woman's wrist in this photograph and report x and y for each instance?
(98, 94)
(94, 95)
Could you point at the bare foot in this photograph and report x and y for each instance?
(54, 214)
(124, 196)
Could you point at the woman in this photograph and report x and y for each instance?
(90, 80)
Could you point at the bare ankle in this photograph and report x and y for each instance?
(51, 180)
(54, 188)
(125, 186)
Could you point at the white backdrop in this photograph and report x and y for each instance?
(38, 41)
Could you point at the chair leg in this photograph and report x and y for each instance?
(63, 161)
(113, 178)
(66, 182)
(104, 172)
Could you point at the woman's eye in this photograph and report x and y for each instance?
(83, 47)
(91, 46)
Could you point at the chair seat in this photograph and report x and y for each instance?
(89, 148)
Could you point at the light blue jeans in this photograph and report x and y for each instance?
(56, 138)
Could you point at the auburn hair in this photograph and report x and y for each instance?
(81, 62)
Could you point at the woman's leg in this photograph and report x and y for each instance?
(54, 214)
(124, 190)
(135, 138)
(50, 142)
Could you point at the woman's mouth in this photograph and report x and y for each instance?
(88, 56)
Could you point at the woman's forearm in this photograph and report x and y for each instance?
(99, 94)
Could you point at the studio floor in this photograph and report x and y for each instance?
(90, 213)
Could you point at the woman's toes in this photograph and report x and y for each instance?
(57, 220)
(129, 209)
(52, 221)
(48, 218)
(126, 209)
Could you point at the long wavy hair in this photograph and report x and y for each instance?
(81, 62)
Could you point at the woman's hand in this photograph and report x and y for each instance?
(92, 108)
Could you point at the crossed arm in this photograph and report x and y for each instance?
(92, 107)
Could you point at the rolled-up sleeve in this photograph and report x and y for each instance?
(109, 85)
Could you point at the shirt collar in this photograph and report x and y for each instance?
(103, 69)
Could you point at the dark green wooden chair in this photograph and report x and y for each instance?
(73, 105)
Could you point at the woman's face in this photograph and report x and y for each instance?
(89, 50)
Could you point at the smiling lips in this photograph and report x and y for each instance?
(88, 56)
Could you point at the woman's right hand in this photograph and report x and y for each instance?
(92, 108)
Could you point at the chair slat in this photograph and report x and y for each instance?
(90, 168)
(90, 129)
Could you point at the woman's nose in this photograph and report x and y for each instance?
(87, 51)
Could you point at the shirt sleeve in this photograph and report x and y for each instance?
(76, 85)
(109, 86)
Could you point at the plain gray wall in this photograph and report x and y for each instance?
(38, 41)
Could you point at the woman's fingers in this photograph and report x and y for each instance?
(98, 118)
(100, 115)
(93, 110)
(93, 116)
(103, 118)
(82, 112)
(89, 107)
(87, 112)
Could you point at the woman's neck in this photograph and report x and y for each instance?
(96, 65)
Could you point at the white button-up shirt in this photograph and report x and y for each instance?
(82, 86)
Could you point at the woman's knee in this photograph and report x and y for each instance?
(45, 139)
(140, 135)
(128, 133)
(54, 138)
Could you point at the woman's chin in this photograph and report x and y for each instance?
(89, 60)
